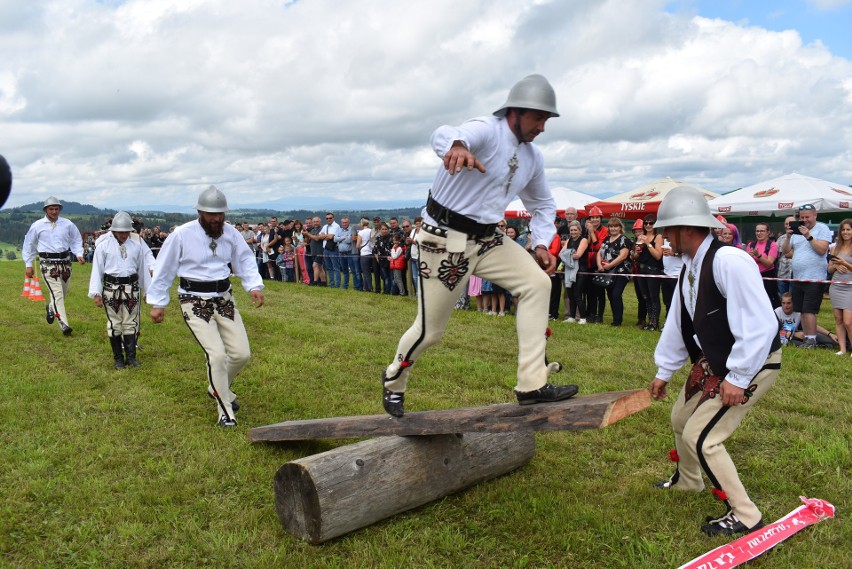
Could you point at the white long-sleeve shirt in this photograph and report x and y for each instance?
(750, 316)
(484, 197)
(187, 253)
(109, 260)
(44, 237)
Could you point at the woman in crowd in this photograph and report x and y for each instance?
(648, 254)
(299, 263)
(597, 234)
(840, 291)
(574, 257)
(642, 310)
(672, 264)
(611, 258)
(726, 236)
(764, 251)
(556, 278)
(364, 246)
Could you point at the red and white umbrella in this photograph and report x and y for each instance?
(643, 200)
(783, 195)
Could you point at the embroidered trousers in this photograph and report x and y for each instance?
(701, 426)
(218, 327)
(121, 303)
(443, 277)
(56, 276)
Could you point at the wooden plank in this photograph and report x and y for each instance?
(326, 495)
(579, 413)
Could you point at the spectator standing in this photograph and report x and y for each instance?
(375, 265)
(840, 291)
(486, 163)
(414, 254)
(724, 324)
(672, 264)
(809, 246)
(642, 308)
(576, 272)
(331, 255)
(764, 251)
(349, 263)
(364, 245)
(317, 250)
(556, 279)
(53, 239)
(612, 258)
(117, 283)
(397, 262)
(597, 234)
(785, 262)
(382, 254)
(649, 258)
(203, 253)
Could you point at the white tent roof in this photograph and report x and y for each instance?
(783, 195)
(564, 198)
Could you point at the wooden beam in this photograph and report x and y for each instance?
(326, 495)
(579, 413)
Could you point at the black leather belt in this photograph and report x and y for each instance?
(205, 286)
(121, 280)
(58, 256)
(457, 221)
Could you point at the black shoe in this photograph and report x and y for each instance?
(547, 394)
(49, 317)
(393, 402)
(664, 485)
(66, 329)
(226, 423)
(728, 524)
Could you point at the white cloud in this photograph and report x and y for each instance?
(149, 101)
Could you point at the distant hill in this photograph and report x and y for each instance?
(68, 208)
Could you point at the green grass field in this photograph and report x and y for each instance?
(126, 469)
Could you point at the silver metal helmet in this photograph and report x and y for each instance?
(121, 222)
(531, 92)
(686, 205)
(51, 201)
(212, 200)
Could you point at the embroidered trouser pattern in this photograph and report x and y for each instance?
(121, 303)
(218, 327)
(443, 276)
(56, 275)
(701, 425)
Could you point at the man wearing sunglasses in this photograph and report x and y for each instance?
(809, 244)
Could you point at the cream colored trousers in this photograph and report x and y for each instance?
(443, 276)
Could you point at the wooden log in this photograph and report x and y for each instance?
(333, 493)
(583, 412)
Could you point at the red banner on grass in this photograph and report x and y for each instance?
(760, 541)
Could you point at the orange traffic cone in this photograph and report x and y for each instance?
(35, 290)
(26, 292)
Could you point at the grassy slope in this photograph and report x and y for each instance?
(106, 468)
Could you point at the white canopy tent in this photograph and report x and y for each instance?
(564, 197)
(782, 196)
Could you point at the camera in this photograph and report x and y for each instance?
(795, 225)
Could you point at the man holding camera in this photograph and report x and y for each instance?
(809, 240)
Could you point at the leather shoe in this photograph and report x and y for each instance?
(49, 316)
(393, 402)
(546, 394)
(226, 423)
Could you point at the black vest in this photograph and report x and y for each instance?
(711, 319)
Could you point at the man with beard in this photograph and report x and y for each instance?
(54, 238)
(199, 253)
(118, 276)
(485, 163)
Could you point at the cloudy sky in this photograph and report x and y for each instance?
(145, 102)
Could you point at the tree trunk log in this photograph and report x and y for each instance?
(335, 492)
(584, 412)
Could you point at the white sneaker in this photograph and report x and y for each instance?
(492, 313)
(501, 314)
(839, 353)
(570, 319)
(581, 321)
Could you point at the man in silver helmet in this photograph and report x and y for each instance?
(53, 239)
(722, 321)
(119, 279)
(486, 163)
(199, 252)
